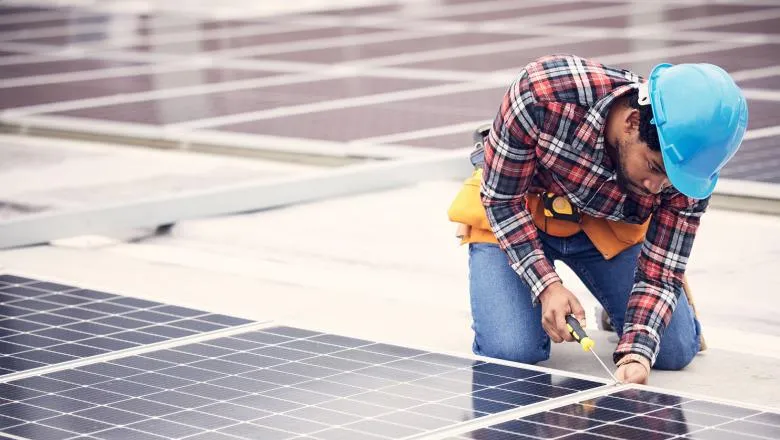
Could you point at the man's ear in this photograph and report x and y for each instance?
(632, 121)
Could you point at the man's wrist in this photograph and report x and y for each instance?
(550, 287)
(537, 271)
(634, 358)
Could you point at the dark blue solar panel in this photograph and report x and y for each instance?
(637, 415)
(279, 382)
(44, 323)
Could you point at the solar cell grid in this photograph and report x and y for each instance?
(44, 323)
(637, 414)
(277, 382)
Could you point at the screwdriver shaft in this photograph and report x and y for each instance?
(587, 343)
(605, 367)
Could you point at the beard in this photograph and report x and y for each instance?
(624, 181)
(622, 178)
(627, 184)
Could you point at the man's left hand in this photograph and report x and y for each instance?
(633, 372)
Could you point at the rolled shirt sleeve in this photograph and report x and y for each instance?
(510, 162)
(659, 275)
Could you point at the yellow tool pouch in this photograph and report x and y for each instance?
(467, 206)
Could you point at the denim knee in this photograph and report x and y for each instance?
(680, 342)
(506, 323)
(677, 350)
(513, 349)
(674, 362)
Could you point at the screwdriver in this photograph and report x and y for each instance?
(584, 340)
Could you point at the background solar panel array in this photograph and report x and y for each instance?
(44, 323)
(638, 415)
(277, 383)
(142, 73)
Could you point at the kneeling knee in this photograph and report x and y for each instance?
(523, 353)
(677, 357)
(672, 363)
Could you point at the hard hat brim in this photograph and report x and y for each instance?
(692, 186)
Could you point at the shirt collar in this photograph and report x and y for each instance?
(600, 110)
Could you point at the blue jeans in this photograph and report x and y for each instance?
(508, 326)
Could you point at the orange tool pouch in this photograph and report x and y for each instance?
(609, 237)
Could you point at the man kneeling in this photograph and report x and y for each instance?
(609, 173)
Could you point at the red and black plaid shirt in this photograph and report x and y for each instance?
(549, 135)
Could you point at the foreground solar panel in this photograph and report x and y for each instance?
(635, 414)
(43, 323)
(271, 384)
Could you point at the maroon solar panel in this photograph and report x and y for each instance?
(522, 12)
(739, 58)
(67, 91)
(453, 140)
(349, 124)
(668, 15)
(768, 82)
(221, 43)
(364, 10)
(763, 114)
(74, 20)
(202, 106)
(427, 56)
(49, 66)
(357, 52)
(517, 58)
(757, 159)
(768, 26)
(88, 37)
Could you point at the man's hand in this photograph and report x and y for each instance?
(557, 302)
(633, 372)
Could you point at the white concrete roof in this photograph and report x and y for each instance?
(386, 266)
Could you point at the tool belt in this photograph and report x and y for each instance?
(551, 213)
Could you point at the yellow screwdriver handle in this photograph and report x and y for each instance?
(579, 334)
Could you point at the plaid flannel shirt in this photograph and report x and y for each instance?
(549, 136)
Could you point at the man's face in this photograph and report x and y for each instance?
(640, 169)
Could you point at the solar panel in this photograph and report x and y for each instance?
(86, 94)
(637, 414)
(44, 323)
(139, 82)
(273, 383)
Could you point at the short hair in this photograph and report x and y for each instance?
(648, 132)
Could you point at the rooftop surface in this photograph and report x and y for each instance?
(162, 109)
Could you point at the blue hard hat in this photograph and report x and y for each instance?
(701, 116)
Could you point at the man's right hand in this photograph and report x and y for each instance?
(558, 302)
